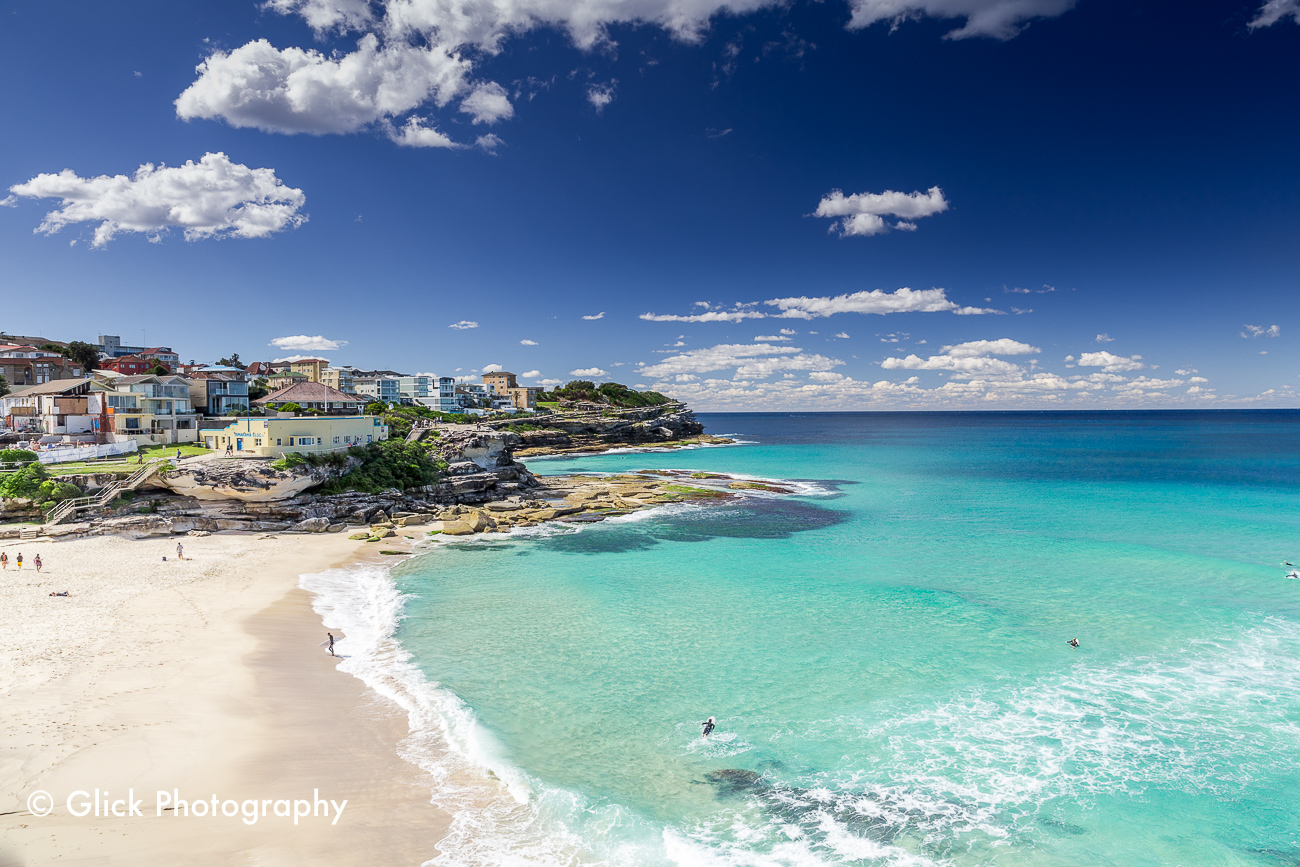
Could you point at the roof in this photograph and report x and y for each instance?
(310, 392)
(153, 349)
(58, 386)
(307, 360)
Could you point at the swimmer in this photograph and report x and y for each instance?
(1074, 642)
(708, 727)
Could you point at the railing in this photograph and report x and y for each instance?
(419, 429)
(105, 495)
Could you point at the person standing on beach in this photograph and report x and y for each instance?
(180, 551)
(4, 561)
(37, 561)
(331, 637)
(19, 559)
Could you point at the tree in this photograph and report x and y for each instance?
(290, 407)
(4, 386)
(159, 369)
(376, 407)
(85, 354)
(257, 389)
(231, 360)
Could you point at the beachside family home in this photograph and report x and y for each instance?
(274, 437)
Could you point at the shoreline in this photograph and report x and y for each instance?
(204, 677)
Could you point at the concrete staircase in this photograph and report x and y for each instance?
(421, 427)
(104, 495)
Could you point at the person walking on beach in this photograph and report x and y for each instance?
(37, 561)
(19, 559)
(331, 637)
(180, 551)
(708, 727)
(4, 561)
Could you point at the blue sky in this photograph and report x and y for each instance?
(1041, 202)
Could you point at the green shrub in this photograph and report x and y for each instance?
(388, 464)
(290, 407)
(288, 461)
(17, 456)
(25, 483)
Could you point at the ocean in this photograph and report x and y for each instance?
(885, 651)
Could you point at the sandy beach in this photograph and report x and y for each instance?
(200, 677)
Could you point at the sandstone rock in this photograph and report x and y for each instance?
(311, 525)
(456, 528)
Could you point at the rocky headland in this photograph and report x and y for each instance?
(597, 429)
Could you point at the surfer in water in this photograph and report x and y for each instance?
(708, 727)
(1074, 642)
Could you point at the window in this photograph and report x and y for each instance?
(278, 443)
(290, 440)
(336, 440)
(257, 441)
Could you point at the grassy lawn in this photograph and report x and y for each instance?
(125, 465)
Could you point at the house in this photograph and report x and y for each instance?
(499, 382)
(385, 388)
(284, 379)
(263, 369)
(148, 409)
(163, 354)
(312, 368)
(131, 365)
(219, 390)
(339, 378)
(23, 364)
(56, 408)
(314, 395)
(273, 437)
(502, 384)
(110, 346)
(414, 388)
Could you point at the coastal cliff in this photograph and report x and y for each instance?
(590, 429)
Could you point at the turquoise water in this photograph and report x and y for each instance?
(887, 655)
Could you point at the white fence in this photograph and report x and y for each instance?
(84, 453)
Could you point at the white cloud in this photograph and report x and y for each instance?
(601, 95)
(1105, 338)
(1274, 11)
(864, 213)
(213, 198)
(492, 368)
(531, 374)
(488, 104)
(304, 343)
(876, 301)
(9, 202)
(999, 19)
(463, 324)
(788, 331)
(418, 134)
(489, 142)
(1109, 362)
(411, 54)
(297, 90)
(1261, 331)
(755, 360)
(769, 338)
(1001, 346)
(711, 316)
(600, 315)
(588, 371)
(970, 360)
(842, 336)
(528, 342)
(292, 358)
